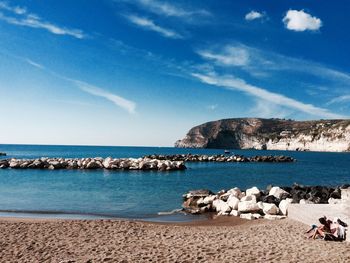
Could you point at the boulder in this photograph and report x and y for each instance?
(209, 199)
(334, 201)
(270, 199)
(221, 206)
(283, 206)
(248, 206)
(251, 198)
(107, 163)
(198, 193)
(270, 209)
(252, 191)
(235, 213)
(233, 201)
(235, 192)
(277, 192)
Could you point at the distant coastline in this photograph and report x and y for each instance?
(270, 134)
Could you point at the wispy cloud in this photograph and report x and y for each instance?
(233, 83)
(339, 99)
(20, 16)
(121, 102)
(169, 9)
(31, 62)
(253, 15)
(265, 109)
(228, 56)
(260, 63)
(300, 21)
(149, 24)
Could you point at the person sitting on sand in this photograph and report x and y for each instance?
(323, 229)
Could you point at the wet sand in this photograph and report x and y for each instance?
(225, 239)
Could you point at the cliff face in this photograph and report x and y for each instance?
(270, 134)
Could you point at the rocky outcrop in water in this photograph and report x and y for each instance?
(109, 163)
(2, 154)
(222, 158)
(271, 203)
(270, 134)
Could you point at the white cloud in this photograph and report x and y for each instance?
(252, 15)
(19, 16)
(121, 102)
(340, 99)
(150, 25)
(300, 21)
(267, 109)
(167, 9)
(233, 83)
(228, 56)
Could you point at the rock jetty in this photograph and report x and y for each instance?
(93, 163)
(254, 203)
(222, 158)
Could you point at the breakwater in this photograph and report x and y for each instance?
(270, 203)
(222, 158)
(109, 163)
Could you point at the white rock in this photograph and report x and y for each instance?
(277, 191)
(334, 201)
(250, 198)
(242, 195)
(235, 213)
(233, 201)
(261, 205)
(283, 206)
(209, 199)
(274, 217)
(248, 206)
(270, 209)
(221, 206)
(248, 216)
(200, 201)
(235, 192)
(107, 162)
(257, 216)
(252, 191)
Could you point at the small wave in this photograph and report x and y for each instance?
(175, 211)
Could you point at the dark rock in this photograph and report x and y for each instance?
(270, 199)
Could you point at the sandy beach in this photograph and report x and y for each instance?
(220, 240)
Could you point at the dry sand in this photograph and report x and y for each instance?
(220, 240)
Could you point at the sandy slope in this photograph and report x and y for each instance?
(222, 240)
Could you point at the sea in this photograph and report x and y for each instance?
(146, 195)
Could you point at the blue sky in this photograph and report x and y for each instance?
(142, 72)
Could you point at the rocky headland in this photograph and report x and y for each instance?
(254, 203)
(270, 134)
(223, 158)
(93, 163)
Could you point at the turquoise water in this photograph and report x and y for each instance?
(141, 195)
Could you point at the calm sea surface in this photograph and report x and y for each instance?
(141, 195)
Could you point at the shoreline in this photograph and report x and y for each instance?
(217, 240)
